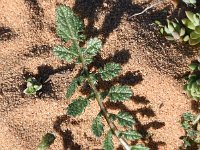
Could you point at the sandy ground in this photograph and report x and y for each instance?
(152, 66)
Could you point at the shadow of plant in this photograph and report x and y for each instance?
(38, 50)
(66, 134)
(6, 34)
(36, 13)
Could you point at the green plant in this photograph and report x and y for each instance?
(46, 141)
(32, 86)
(70, 29)
(188, 32)
(192, 87)
(190, 2)
(173, 31)
(191, 123)
(192, 22)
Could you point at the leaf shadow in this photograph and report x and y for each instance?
(6, 33)
(66, 135)
(90, 9)
(38, 50)
(36, 13)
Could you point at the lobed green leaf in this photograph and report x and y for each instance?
(93, 47)
(46, 141)
(77, 107)
(119, 93)
(73, 85)
(139, 147)
(131, 135)
(108, 143)
(97, 126)
(110, 71)
(69, 26)
(125, 119)
(67, 54)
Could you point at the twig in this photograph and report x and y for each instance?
(146, 9)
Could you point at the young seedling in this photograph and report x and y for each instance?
(32, 86)
(191, 125)
(192, 87)
(70, 29)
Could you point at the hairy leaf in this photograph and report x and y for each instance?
(46, 141)
(97, 126)
(67, 54)
(125, 119)
(93, 47)
(69, 26)
(110, 71)
(131, 135)
(73, 85)
(108, 143)
(119, 93)
(139, 147)
(77, 107)
(71, 88)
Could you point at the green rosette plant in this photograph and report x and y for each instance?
(192, 87)
(192, 22)
(191, 125)
(70, 29)
(173, 31)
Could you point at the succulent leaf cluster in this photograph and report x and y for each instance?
(70, 29)
(192, 22)
(32, 86)
(173, 31)
(190, 124)
(188, 31)
(192, 87)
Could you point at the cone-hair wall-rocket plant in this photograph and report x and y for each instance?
(70, 29)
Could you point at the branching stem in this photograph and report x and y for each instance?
(97, 96)
(146, 9)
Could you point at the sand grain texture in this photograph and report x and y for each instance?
(151, 66)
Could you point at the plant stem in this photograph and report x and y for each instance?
(97, 96)
(196, 120)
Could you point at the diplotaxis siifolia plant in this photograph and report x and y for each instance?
(70, 29)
